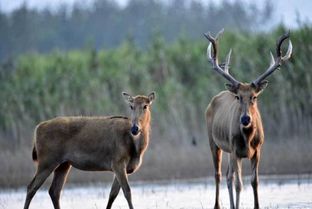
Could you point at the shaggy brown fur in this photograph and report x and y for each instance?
(92, 144)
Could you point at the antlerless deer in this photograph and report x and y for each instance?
(113, 143)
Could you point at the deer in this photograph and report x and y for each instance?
(103, 143)
(234, 122)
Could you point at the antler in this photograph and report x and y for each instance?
(276, 62)
(224, 70)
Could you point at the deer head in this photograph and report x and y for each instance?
(245, 93)
(140, 110)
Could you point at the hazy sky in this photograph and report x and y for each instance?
(287, 11)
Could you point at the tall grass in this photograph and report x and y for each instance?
(37, 87)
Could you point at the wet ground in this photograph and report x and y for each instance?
(274, 192)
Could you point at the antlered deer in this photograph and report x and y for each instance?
(234, 122)
(113, 143)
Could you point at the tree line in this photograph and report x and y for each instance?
(104, 24)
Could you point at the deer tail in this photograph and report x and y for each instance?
(34, 154)
(34, 151)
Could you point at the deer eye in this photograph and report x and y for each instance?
(236, 97)
(145, 107)
(253, 99)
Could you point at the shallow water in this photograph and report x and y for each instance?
(274, 192)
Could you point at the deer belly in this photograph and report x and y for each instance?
(90, 163)
(245, 153)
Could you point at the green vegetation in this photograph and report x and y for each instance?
(37, 87)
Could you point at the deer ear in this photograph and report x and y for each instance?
(151, 97)
(231, 88)
(260, 87)
(128, 98)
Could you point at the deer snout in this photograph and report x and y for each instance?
(245, 120)
(135, 129)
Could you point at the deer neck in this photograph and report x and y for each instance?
(143, 140)
(248, 135)
(250, 131)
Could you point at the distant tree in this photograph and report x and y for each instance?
(106, 24)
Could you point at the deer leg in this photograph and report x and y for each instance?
(254, 178)
(40, 176)
(238, 180)
(229, 181)
(59, 179)
(217, 161)
(113, 193)
(122, 178)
